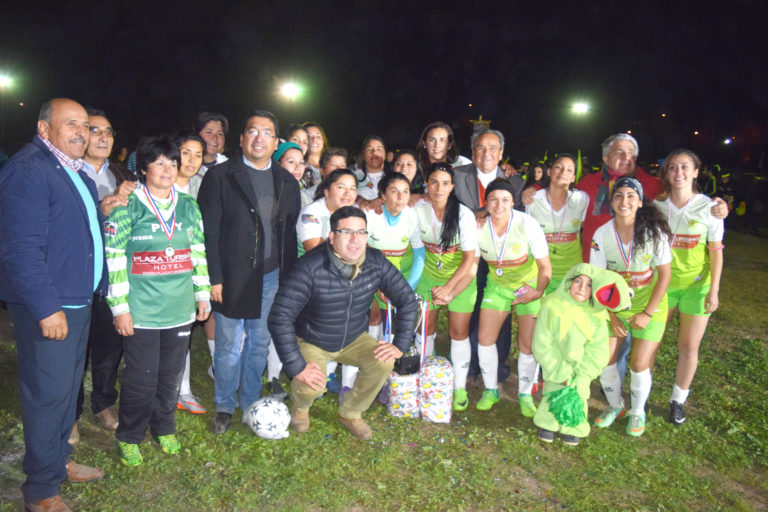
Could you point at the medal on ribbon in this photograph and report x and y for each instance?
(168, 227)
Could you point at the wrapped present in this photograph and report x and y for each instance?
(404, 395)
(436, 390)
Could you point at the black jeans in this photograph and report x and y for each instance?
(105, 350)
(154, 365)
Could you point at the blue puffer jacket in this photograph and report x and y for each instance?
(46, 251)
(319, 305)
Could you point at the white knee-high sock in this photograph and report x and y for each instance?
(348, 375)
(211, 348)
(330, 367)
(640, 388)
(488, 358)
(273, 363)
(184, 389)
(461, 353)
(610, 380)
(527, 369)
(430, 348)
(679, 395)
(375, 331)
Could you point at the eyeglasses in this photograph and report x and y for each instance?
(109, 132)
(350, 233)
(255, 132)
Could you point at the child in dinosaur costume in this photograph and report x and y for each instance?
(570, 342)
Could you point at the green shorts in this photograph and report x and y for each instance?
(654, 331)
(689, 300)
(552, 286)
(500, 298)
(462, 303)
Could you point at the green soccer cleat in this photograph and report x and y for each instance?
(489, 398)
(169, 444)
(129, 454)
(460, 400)
(527, 407)
(608, 416)
(636, 425)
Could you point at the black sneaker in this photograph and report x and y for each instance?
(278, 391)
(220, 423)
(546, 436)
(569, 440)
(676, 413)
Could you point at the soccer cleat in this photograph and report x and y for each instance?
(636, 425)
(546, 436)
(333, 385)
(570, 440)
(190, 403)
(676, 413)
(608, 416)
(129, 454)
(169, 444)
(489, 398)
(460, 400)
(527, 407)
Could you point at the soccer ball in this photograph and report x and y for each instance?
(268, 418)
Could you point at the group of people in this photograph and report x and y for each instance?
(292, 257)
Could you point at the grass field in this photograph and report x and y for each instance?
(481, 461)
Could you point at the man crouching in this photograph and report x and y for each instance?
(320, 314)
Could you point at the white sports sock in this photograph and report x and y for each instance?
(184, 389)
(348, 375)
(375, 331)
(679, 395)
(488, 357)
(461, 353)
(211, 348)
(610, 380)
(640, 388)
(273, 363)
(527, 369)
(430, 348)
(330, 367)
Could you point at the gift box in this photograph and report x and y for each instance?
(436, 390)
(403, 395)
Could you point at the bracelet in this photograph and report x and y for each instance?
(646, 313)
(722, 246)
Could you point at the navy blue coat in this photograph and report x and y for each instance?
(46, 250)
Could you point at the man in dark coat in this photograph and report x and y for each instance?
(325, 302)
(249, 206)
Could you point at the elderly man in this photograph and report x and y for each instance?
(105, 346)
(51, 263)
(249, 206)
(325, 302)
(471, 180)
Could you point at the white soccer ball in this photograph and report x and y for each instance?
(268, 418)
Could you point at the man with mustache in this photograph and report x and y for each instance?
(51, 263)
(105, 346)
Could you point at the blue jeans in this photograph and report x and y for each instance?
(242, 369)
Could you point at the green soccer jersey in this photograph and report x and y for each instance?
(692, 227)
(441, 263)
(158, 281)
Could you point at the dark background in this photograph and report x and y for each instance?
(392, 67)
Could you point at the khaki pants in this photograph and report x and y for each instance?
(371, 377)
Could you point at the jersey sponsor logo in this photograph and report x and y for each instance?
(435, 248)
(141, 237)
(594, 245)
(308, 218)
(156, 263)
(373, 237)
(685, 241)
(110, 228)
(637, 279)
(560, 238)
(510, 263)
(155, 227)
(391, 253)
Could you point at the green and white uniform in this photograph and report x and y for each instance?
(692, 226)
(157, 285)
(440, 264)
(562, 229)
(314, 221)
(641, 274)
(519, 249)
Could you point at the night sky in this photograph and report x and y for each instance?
(392, 67)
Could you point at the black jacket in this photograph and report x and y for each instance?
(326, 309)
(233, 230)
